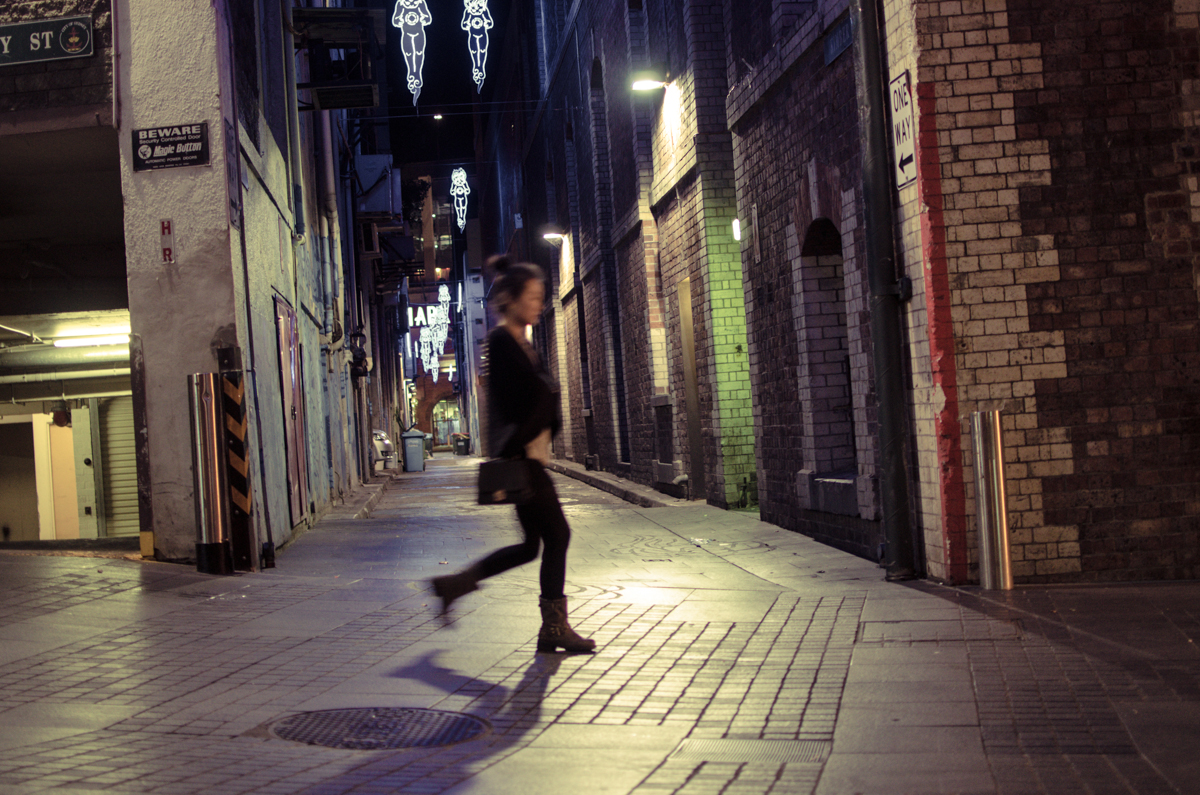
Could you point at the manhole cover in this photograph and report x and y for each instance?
(373, 729)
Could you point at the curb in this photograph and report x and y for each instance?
(642, 496)
(108, 544)
(376, 494)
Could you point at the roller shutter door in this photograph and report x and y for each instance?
(119, 463)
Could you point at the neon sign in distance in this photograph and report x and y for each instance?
(459, 190)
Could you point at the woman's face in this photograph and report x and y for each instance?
(527, 309)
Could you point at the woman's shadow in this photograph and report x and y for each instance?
(512, 709)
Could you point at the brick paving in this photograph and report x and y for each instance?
(733, 657)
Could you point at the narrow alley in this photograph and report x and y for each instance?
(733, 657)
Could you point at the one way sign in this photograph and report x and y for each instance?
(904, 139)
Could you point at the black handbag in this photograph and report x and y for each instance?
(505, 481)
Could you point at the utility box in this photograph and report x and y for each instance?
(413, 444)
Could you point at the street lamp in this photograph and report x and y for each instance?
(553, 235)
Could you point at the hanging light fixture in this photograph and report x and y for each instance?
(412, 17)
(477, 21)
(459, 190)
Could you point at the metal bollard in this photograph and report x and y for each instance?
(991, 504)
(214, 548)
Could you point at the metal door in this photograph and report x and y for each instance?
(118, 462)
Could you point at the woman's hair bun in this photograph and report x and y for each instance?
(499, 263)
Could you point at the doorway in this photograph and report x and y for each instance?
(292, 397)
(447, 420)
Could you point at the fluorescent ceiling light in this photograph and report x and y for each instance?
(81, 342)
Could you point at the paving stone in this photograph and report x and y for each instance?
(983, 693)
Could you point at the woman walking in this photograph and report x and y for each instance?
(523, 416)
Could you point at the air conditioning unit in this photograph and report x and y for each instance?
(344, 95)
(343, 46)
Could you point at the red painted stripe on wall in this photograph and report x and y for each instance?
(947, 426)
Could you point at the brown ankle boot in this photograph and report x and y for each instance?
(452, 586)
(556, 632)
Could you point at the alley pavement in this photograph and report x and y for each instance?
(734, 658)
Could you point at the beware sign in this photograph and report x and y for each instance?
(170, 147)
(904, 138)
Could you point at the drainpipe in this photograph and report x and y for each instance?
(289, 64)
(116, 65)
(887, 292)
(329, 219)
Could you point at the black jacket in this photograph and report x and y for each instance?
(522, 397)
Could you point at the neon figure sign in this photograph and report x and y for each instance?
(434, 333)
(412, 17)
(459, 190)
(477, 21)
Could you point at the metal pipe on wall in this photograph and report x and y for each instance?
(293, 110)
(62, 375)
(214, 545)
(887, 329)
(991, 502)
(47, 355)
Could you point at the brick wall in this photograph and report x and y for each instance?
(60, 84)
(1058, 143)
(1124, 402)
(795, 128)
(630, 158)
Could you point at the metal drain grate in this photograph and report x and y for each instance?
(732, 750)
(371, 729)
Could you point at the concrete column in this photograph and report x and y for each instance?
(175, 71)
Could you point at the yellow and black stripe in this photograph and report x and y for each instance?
(233, 401)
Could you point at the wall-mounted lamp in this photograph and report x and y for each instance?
(437, 117)
(553, 235)
(737, 229)
(650, 78)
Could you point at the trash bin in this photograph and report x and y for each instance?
(462, 444)
(413, 444)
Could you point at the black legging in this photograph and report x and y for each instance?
(543, 522)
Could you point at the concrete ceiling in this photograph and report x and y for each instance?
(62, 236)
(61, 187)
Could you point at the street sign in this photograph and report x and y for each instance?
(904, 139)
(46, 40)
(170, 147)
(839, 39)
